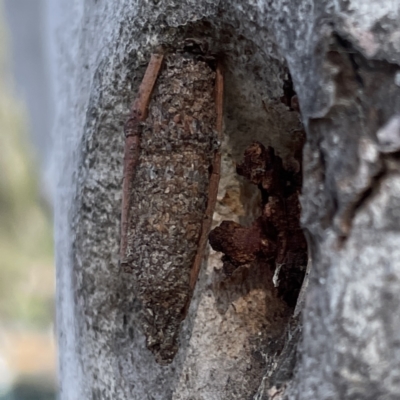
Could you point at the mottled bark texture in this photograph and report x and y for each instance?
(240, 339)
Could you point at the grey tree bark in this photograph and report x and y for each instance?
(239, 340)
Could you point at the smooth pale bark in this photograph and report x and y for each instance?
(344, 61)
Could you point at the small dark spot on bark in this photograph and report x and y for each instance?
(130, 333)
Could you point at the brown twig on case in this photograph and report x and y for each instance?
(214, 182)
(132, 143)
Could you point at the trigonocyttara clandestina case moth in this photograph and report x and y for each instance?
(171, 175)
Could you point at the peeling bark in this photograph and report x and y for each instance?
(239, 340)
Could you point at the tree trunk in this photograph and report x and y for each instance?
(246, 335)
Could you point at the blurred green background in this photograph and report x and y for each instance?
(27, 348)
